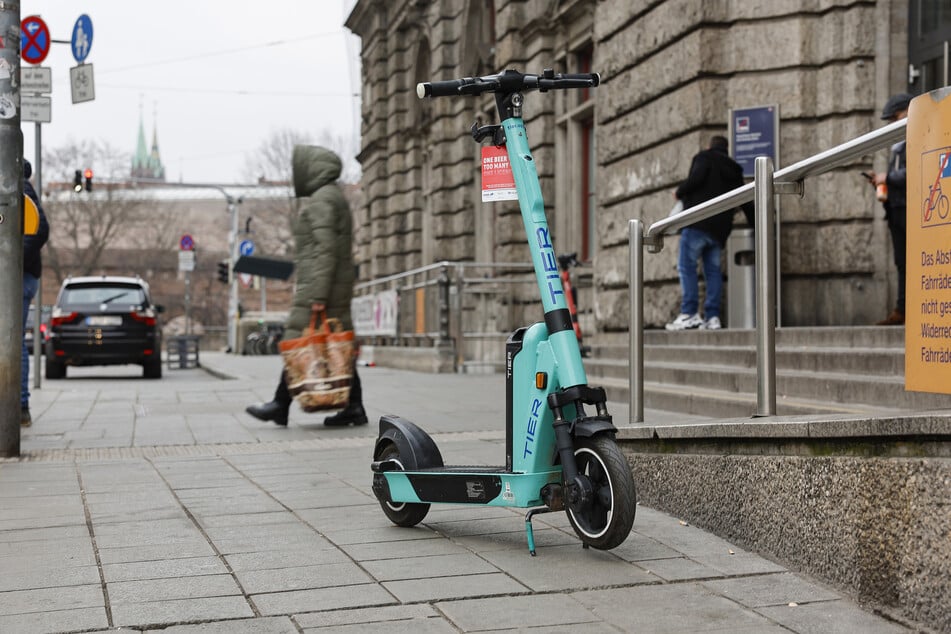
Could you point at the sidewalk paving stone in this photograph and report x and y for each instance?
(416, 590)
(675, 608)
(180, 610)
(769, 590)
(193, 587)
(829, 617)
(50, 599)
(330, 598)
(55, 621)
(262, 625)
(428, 567)
(163, 569)
(560, 568)
(518, 612)
(302, 578)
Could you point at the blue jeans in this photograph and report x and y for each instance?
(699, 245)
(29, 291)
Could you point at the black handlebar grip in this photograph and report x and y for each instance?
(592, 79)
(569, 80)
(441, 88)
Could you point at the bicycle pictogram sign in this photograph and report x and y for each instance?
(936, 206)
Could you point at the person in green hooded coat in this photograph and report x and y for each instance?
(323, 237)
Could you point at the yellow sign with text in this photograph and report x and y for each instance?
(928, 264)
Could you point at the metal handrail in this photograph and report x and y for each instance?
(813, 166)
(762, 191)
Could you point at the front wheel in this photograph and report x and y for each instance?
(401, 513)
(606, 521)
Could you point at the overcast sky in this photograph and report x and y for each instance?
(215, 78)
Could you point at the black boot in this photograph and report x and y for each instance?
(351, 415)
(272, 410)
(275, 410)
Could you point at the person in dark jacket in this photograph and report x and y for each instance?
(32, 270)
(323, 237)
(712, 173)
(896, 109)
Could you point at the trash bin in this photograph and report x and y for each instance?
(741, 279)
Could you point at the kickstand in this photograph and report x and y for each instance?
(529, 534)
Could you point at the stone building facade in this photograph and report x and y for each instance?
(671, 71)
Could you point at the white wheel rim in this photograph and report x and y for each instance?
(610, 515)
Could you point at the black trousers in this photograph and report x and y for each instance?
(898, 247)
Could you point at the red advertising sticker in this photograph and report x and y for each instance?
(498, 183)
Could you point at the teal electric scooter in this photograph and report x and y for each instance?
(557, 456)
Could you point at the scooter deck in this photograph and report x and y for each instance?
(464, 469)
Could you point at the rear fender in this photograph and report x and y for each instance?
(417, 449)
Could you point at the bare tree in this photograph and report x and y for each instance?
(84, 224)
(271, 161)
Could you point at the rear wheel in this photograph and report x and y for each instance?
(55, 369)
(401, 513)
(152, 369)
(606, 521)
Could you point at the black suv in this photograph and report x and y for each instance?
(105, 320)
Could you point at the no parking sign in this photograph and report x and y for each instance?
(34, 39)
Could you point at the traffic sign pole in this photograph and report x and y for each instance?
(11, 236)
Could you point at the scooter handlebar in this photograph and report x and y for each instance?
(507, 81)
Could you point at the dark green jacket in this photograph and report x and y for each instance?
(323, 239)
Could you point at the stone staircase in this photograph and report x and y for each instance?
(820, 370)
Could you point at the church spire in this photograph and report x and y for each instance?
(147, 165)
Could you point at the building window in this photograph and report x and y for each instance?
(576, 162)
(929, 45)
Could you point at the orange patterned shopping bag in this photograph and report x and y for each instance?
(319, 364)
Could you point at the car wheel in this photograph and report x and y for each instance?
(55, 369)
(152, 369)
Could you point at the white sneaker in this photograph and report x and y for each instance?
(685, 322)
(712, 324)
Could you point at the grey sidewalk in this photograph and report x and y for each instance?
(161, 505)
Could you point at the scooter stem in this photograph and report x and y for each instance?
(561, 334)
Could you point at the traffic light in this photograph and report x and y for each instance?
(223, 272)
(88, 175)
(78, 181)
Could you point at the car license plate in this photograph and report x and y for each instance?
(104, 320)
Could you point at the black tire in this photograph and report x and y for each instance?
(607, 521)
(55, 369)
(401, 513)
(152, 369)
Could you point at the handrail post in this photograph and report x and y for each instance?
(636, 334)
(765, 201)
(456, 304)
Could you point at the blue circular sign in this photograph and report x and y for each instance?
(246, 247)
(187, 243)
(82, 38)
